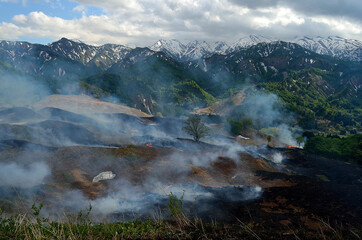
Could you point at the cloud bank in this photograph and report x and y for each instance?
(144, 22)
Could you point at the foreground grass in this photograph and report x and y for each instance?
(178, 226)
(22, 226)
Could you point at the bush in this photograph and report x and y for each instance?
(236, 127)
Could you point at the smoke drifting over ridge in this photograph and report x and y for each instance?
(267, 113)
(18, 90)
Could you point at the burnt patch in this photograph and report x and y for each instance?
(226, 166)
(83, 181)
(306, 199)
(18, 114)
(63, 115)
(62, 133)
(25, 145)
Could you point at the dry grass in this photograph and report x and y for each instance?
(85, 104)
(222, 107)
(31, 226)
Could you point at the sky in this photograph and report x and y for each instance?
(143, 22)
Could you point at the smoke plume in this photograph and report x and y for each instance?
(20, 176)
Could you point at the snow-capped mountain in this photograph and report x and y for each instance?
(220, 47)
(69, 59)
(172, 47)
(195, 49)
(190, 51)
(102, 56)
(274, 61)
(248, 41)
(9, 50)
(65, 57)
(334, 46)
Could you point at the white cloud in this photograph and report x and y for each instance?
(93, 29)
(79, 8)
(144, 22)
(339, 24)
(15, 1)
(272, 16)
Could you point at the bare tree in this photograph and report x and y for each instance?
(196, 128)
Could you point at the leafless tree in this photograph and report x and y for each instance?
(196, 128)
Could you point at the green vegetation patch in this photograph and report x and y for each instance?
(319, 102)
(348, 149)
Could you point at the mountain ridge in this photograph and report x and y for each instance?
(347, 49)
(93, 59)
(342, 48)
(325, 87)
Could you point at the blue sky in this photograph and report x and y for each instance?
(143, 22)
(62, 9)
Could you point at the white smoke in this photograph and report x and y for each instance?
(268, 115)
(16, 175)
(277, 158)
(17, 90)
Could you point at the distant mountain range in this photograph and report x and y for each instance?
(65, 58)
(250, 57)
(170, 77)
(341, 48)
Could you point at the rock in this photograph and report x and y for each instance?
(104, 176)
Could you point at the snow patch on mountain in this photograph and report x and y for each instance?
(190, 51)
(248, 41)
(172, 47)
(104, 55)
(339, 47)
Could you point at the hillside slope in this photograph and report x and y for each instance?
(86, 105)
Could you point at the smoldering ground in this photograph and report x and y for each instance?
(124, 196)
(130, 194)
(77, 146)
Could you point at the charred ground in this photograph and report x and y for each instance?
(226, 180)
